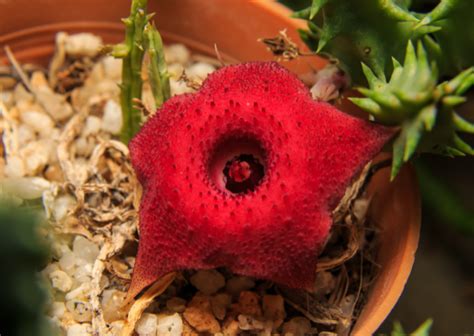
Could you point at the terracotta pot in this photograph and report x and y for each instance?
(29, 27)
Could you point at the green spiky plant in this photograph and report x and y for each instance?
(141, 38)
(22, 254)
(368, 38)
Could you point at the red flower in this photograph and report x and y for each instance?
(244, 174)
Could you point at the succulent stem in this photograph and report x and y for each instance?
(157, 71)
(132, 52)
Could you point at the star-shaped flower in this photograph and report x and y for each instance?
(244, 174)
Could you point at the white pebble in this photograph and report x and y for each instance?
(62, 205)
(67, 262)
(175, 70)
(15, 166)
(25, 187)
(208, 281)
(112, 301)
(83, 44)
(80, 292)
(147, 324)
(25, 134)
(50, 269)
(92, 126)
(61, 281)
(57, 309)
(85, 249)
(179, 87)
(112, 119)
(199, 71)
(112, 67)
(83, 273)
(35, 155)
(81, 310)
(177, 53)
(116, 327)
(84, 329)
(38, 121)
(169, 325)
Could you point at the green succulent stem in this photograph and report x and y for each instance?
(132, 52)
(157, 70)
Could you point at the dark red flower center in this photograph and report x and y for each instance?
(243, 173)
(238, 164)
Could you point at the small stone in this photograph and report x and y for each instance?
(247, 322)
(36, 156)
(21, 94)
(177, 53)
(85, 249)
(208, 281)
(54, 173)
(26, 188)
(92, 126)
(219, 304)
(116, 327)
(324, 283)
(249, 304)
(147, 324)
(50, 269)
(84, 329)
(15, 166)
(80, 310)
(83, 272)
(57, 309)
(297, 326)
(111, 303)
(178, 87)
(25, 135)
(238, 284)
(38, 121)
(176, 304)
(62, 205)
(80, 292)
(230, 328)
(112, 119)
(84, 146)
(61, 281)
(274, 309)
(175, 70)
(83, 44)
(170, 325)
(112, 67)
(67, 262)
(199, 315)
(199, 71)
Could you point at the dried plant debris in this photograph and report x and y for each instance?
(58, 127)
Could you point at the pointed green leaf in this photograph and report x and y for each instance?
(451, 151)
(373, 80)
(428, 116)
(397, 160)
(386, 99)
(316, 5)
(462, 124)
(410, 61)
(424, 329)
(462, 145)
(452, 101)
(414, 132)
(454, 84)
(367, 104)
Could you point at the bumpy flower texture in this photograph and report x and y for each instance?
(244, 174)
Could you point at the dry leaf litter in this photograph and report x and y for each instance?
(59, 126)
